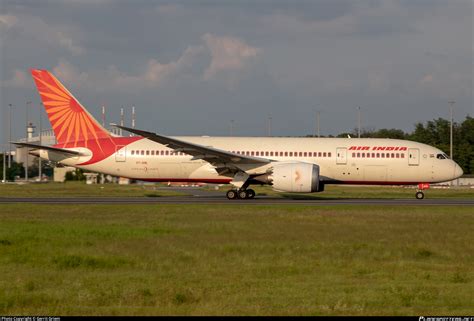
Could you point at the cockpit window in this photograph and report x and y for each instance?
(442, 156)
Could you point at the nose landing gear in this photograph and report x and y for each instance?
(419, 192)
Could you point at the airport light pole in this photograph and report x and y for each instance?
(318, 116)
(231, 128)
(4, 167)
(28, 103)
(451, 105)
(40, 172)
(10, 106)
(269, 129)
(358, 121)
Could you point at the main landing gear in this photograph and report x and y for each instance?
(240, 194)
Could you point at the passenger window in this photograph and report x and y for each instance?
(382, 155)
(402, 155)
(301, 154)
(305, 154)
(392, 155)
(353, 155)
(329, 154)
(271, 153)
(310, 154)
(133, 152)
(143, 152)
(363, 155)
(319, 154)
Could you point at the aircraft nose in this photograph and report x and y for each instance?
(457, 171)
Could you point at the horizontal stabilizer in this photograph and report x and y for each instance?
(53, 149)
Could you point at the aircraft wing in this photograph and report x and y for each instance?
(209, 154)
(54, 149)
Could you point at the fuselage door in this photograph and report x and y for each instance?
(341, 155)
(413, 156)
(120, 153)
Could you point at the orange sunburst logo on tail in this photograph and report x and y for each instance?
(72, 124)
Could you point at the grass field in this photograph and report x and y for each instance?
(231, 260)
(80, 189)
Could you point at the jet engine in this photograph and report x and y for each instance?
(295, 177)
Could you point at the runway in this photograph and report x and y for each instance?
(222, 200)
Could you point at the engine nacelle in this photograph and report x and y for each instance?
(295, 177)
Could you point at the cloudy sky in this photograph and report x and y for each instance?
(190, 67)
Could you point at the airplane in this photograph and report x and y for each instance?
(288, 164)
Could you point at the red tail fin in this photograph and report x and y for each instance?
(72, 124)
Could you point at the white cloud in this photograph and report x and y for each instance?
(33, 29)
(153, 74)
(228, 57)
(7, 21)
(18, 80)
(228, 54)
(365, 18)
(70, 74)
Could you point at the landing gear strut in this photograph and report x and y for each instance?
(240, 194)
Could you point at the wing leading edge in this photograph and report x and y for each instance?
(209, 154)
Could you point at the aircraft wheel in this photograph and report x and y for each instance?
(243, 194)
(250, 193)
(231, 194)
(420, 195)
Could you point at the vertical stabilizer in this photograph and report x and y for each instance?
(72, 124)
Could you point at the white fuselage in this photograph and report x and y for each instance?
(341, 160)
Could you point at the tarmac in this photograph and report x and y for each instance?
(197, 196)
(222, 200)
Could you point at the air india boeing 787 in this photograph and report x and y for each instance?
(299, 165)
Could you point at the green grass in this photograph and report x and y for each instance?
(81, 189)
(231, 260)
